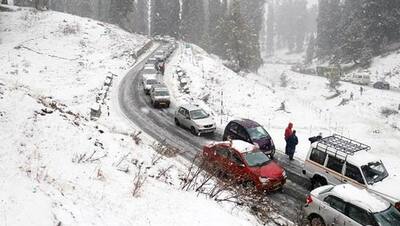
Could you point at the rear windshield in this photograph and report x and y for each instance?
(162, 93)
(151, 81)
(149, 71)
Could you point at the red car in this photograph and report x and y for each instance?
(247, 163)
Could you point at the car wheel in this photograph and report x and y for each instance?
(193, 130)
(317, 221)
(177, 122)
(318, 182)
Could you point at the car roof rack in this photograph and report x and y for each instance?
(341, 146)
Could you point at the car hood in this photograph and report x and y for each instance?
(388, 188)
(271, 170)
(204, 121)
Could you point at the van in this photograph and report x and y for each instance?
(336, 159)
(361, 78)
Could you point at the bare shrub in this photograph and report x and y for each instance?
(333, 82)
(136, 137)
(138, 182)
(87, 158)
(388, 112)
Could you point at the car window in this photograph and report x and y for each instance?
(359, 215)
(335, 164)
(353, 173)
(186, 114)
(181, 111)
(242, 132)
(336, 203)
(236, 159)
(318, 156)
(257, 133)
(374, 172)
(233, 127)
(222, 151)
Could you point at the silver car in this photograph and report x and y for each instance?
(195, 119)
(348, 205)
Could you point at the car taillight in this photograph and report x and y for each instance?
(397, 205)
(308, 199)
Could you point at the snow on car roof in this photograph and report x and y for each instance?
(191, 107)
(242, 146)
(360, 197)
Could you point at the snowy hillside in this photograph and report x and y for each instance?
(60, 168)
(371, 118)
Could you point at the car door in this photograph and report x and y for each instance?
(236, 165)
(242, 134)
(352, 175)
(334, 170)
(356, 216)
(232, 131)
(181, 115)
(333, 210)
(186, 119)
(222, 155)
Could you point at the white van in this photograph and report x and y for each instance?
(361, 78)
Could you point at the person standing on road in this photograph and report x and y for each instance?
(361, 90)
(291, 143)
(288, 133)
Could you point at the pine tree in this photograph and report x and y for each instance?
(310, 50)
(270, 30)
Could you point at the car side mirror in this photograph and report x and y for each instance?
(187, 117)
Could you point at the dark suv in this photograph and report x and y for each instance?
(252, 132)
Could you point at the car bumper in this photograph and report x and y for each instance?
(206, 130)
(273, 185)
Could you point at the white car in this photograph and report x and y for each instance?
(337, 159)
(159, 96)
(195, 119)
(148, 81)
(348, 205)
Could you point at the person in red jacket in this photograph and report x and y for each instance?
(288, 133)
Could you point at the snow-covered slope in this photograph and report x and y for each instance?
(60, 168)
(308, 102)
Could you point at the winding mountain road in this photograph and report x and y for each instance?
(159, 124)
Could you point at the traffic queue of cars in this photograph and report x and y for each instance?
(351, 186)
(151, 76)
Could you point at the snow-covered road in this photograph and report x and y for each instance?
(159, 124)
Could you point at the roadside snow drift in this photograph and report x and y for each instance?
(58, 167)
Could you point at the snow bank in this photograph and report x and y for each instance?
(371, 117)
(59, 167)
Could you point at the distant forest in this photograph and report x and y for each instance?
(228, 28)
(353, 31)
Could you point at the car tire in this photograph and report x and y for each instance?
(317, 221)
(317, 182)
(177, 122)
(193, 131)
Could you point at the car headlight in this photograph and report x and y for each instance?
(264, 180)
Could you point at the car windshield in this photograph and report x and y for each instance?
(388, 217)
(162, 93)
(374, 172)
(257, 133)
(256, 159)
(198, 114)
(151, 81)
